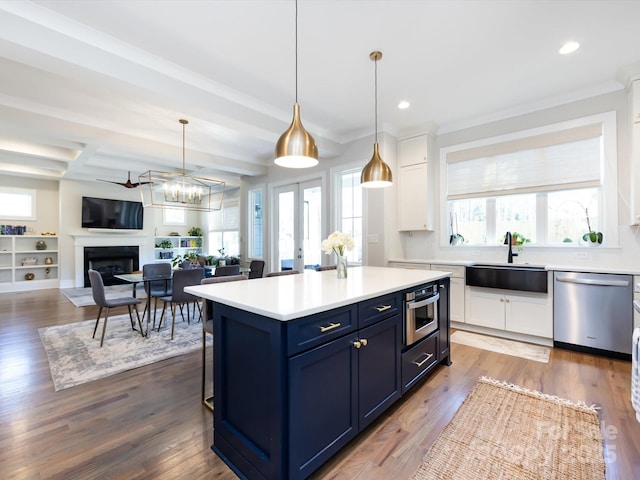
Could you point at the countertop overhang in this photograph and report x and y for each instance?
(289, 297)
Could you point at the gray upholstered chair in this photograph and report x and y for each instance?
(99, 297)
(179, 298)
(256, 269)
(227, 270)
(157, 288)
(283, 272)
(207, 329)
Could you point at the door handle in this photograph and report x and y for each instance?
(427, 358)
(383, 308)
(331, 326)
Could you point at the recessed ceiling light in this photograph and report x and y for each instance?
(403, 104)
(569, 47)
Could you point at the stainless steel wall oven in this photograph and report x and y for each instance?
(420, 313)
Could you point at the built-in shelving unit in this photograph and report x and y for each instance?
(179, 246)
(24, 266)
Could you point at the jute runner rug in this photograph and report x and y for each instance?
(503, 431)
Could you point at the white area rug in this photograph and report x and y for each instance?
(500, 345)
(82, 297)
(76, 358)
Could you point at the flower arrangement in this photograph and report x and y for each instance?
(337, 242)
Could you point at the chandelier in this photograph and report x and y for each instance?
(180, 190)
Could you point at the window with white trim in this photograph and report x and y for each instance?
(17, 203)
(224, 229)
(540, 183)
(255, 217)
(349, 210)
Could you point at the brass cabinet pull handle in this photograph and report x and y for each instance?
(357, 344)
(331, 326)
(383, 308)
(364, 342)
(419, 364)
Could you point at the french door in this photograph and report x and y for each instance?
(298, 226)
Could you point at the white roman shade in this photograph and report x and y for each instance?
(570, 158)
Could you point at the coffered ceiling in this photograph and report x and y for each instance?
(93, 89)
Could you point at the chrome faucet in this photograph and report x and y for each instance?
(507, 241)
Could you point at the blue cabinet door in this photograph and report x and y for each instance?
(444, 354)
(323, 402)
(378, 368)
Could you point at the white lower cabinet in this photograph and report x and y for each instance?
(529, 314)
(456, 290)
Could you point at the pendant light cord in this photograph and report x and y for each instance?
(184, 169)
(376, 98)
(296, 51)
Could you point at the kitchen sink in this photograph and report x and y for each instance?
(508, 276)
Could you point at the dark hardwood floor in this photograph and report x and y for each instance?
(148, 423)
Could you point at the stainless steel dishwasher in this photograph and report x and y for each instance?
(593, 312)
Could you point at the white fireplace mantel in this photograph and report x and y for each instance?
(101, 240)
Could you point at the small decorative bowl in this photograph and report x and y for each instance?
(29, 276)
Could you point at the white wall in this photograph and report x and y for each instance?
(380, 204)
(625, 256)
(47, 211)
(71, 193)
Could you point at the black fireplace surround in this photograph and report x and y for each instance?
(110, 261)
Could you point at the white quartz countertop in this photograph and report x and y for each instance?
(294, 296)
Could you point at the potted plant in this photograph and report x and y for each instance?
(518, 240)
(222, 259)
(592, 237)
(195, 232)
(165, 245)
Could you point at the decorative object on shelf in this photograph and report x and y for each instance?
(29, 261)
(165, 245)
(13, 229)
(41, 245)
(29, 276)
(174, 234)
(48, 261)
(127, 184)
(180, 190)
(48, 234)
(47, 272)
(337, 243)
(376, 173)
(296, 148)
(195, 232)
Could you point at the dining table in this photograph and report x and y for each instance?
(135, 279)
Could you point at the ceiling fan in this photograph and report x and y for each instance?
(127, 184)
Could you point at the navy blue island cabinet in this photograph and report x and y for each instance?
(288, 395)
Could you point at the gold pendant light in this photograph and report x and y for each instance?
(296, 148)
(376, 173)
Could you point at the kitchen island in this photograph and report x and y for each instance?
(303, 363)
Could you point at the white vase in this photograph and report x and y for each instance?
(341, 266)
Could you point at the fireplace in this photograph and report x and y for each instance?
(110, 261)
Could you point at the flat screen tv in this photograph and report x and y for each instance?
(112, 214)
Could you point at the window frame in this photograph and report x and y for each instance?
(608, 205)
(32, 193)
(336, 214)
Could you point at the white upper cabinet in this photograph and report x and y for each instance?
(414, 150)
(635, 152)
(415, 192)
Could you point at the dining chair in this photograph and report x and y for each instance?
(207, 329)
(99, 297)
(157, 288)
(256, 269)
(326, 267)
(227, 270)
(179, 298)
(283, 272)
